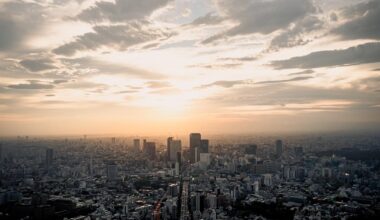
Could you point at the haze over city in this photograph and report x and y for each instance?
(172, 67)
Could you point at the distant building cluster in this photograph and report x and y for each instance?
(237, 177)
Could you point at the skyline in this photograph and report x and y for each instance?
(170, 67)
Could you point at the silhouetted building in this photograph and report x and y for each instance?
(168, 143)
(195, 144)
(150, 150)
(1, 151)
(203, 148)
(175, 146)
(136, 145)
(279, 148)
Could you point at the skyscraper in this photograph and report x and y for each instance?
(279, 148)
(195, 143)
(150, 150)
(144, 144)
(169, 140)
(136, 145)
(175, 147)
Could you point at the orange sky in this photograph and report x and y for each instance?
(172, 67)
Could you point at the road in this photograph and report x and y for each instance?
(185, 213)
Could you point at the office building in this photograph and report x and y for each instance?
(168, 144)
(204, 146)
(150, 150)
(195, 142)
(279, 148)
(175, 146)
(136, 145)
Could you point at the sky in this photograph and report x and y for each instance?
(172, 67)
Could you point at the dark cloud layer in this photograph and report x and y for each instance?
(121, 10)
(298, 78)
(305, 72)
(366, 22)
(16, 24)
(208, 19)
(36, 65)
(89, 63)
(365, 53)
(251, 14)
(118, 37)
(232, 83)
(294, 36)
(32, 84)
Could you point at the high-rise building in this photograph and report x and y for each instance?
(179, 161)
(150, 150)
(144, 144)
(279, 148)
(175, 146)
(112, 171)
(168, 143)
(136, 145)
(1, 151)
(195, 143)
(204, 146)
(49, 158)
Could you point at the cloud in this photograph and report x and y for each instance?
(16, 24)
(250, 14)
(305, 72)
(98, 66)
(37, 65)
(365, 26)
(33, 84)
(60, 81)
(121, 10)
(239, 59)
(285, 94)
(208, 19)
(299, 78)
(158, 84)
(364, 53)
(294, 36)
(119, 37)
(232, 83)
(217, 65)
(225, 83)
